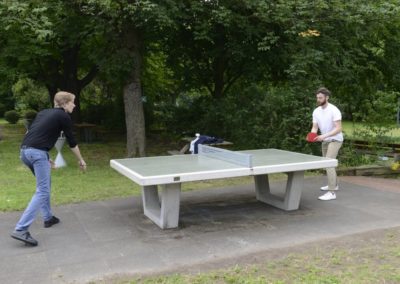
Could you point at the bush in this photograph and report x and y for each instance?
(28, 94)
(29, 117)
(30, 114)
(11, 116)
(380, 109)
(252, 118)
(350, 157)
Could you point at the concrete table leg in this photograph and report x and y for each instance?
(162, 211)
(291, 200)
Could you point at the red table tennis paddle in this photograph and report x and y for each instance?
(311, 137)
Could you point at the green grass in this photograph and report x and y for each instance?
(351, 128)
(69, 184)
(358, 259)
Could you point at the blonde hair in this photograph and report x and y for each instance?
(62, 98)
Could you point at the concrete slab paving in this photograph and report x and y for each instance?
(105, 238)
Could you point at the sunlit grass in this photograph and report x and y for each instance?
(69, 184)
(374, 259)
(351, 129)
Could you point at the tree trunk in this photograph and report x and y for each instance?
(219, 64)
(52, 90)
(219, 71)
(62, 75)
(134, 114)
(70, 82)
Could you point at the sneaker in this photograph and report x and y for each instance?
(328, 196)
(54, 220)
(24, 236)
(326, 188)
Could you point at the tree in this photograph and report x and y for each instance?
(342, 46)
(53, 43)
(219, 42)
(134, 25)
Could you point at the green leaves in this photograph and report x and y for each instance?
(208, 48)
(29, 95)
(267, 41)
(31, 20)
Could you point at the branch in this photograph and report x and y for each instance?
(209, 89)
(49, 73)
(231, 82)
(89, 77)
(234, 77)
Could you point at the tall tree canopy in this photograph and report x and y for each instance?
(215, 50)
(53, 43)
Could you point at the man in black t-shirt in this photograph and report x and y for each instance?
(38, 141)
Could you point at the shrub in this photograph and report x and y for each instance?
(254, 117)
(30, 114)
(29, 117)
(350, 157)
(28, 94)
(379, 109)
(11, 116)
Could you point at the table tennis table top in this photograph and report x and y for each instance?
(182, 168)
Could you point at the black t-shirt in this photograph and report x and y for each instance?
(46, 128)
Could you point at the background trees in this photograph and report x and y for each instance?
(244, 70)
(51, 42)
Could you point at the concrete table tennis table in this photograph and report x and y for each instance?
(169, 172)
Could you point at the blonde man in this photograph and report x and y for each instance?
(328, 119)
(38, 141)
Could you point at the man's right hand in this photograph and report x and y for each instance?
(82, 165)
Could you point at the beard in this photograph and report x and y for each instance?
(322, 103)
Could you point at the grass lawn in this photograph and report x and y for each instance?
(349, 128)
(100, 182)
(69, 184)
(372, 257)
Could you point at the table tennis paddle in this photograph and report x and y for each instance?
(311, 137)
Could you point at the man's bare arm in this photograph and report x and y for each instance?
(78, 155)
(336, 130)
(314, 128)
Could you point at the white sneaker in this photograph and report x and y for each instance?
(326, 188)
(328, 196)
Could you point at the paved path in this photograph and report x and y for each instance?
(101, 239)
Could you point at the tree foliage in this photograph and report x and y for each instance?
(208, 64)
